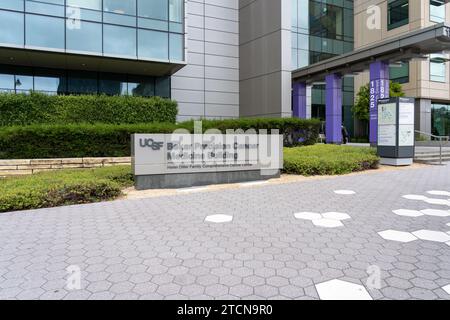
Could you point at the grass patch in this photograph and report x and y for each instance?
(328, 160)
(63, 187)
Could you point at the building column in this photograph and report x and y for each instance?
(423, 116)
(379, 89)
(299, 99)
(333, 113)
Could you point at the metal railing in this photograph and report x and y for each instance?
(439, 139)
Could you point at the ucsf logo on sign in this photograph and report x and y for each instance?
(150, 143)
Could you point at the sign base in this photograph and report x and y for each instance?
(186, 180)
(396, 162)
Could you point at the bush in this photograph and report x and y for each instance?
(64, 187)
(295, 131)
(328, 160)
(37, 108)
(106, 140)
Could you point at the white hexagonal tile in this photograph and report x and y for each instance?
(408, 213)
(398, 236)
(345, 192)
(438, 201)
(336, 216)
(308, 216)
(439, 193)
(415, 197)
(328, 223)
(446, 288)
(219, 218)
(192, 190)
(341, 290)
(436, 213)
(253, 184)
(430, 235)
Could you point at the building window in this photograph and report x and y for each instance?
(86, 38)
(15, 79)
(437, 11)
(438, 67)
(399, 73)
(12, 5)
(153, 45)
(119, 41)
(398, 13)
(101, 27)
(44, 32)
(11, 26)
(440, 119)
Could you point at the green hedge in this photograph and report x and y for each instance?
(328, 160)
(106, 140)
(37, 108)
(65, 187)
(295, 131)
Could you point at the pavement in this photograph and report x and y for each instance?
(376, 235)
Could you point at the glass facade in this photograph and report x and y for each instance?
(322, 30)
(52, 81)
(438, 67)
(440, 119)
(135, 29)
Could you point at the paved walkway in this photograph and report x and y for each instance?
(282, 242)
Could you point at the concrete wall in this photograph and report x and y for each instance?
(208, 87)
(265, 58)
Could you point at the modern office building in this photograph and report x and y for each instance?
(428, 79)
(217, 58)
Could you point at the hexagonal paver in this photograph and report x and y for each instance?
(436, 213)
(438, 201)
(408, 213)
(447, 288)
(308, 216)
(345, 192)
(439, 193)
(415, 197)
(341, 290)
(192, 190)
(336, 216)
(219, 218)
(328, 223)
(398, 236)
(430, 235)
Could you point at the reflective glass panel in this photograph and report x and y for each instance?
(11, 26)
(119, 40)
(12, 5)
(155, 9)
(87, 37)
(153, 45)
(176, 47)
(44, 31)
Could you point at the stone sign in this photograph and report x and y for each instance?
(185, 160)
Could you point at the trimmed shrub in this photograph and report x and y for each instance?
(295, 131)
(107, 140)
(65, 187)
(72, 141)
(328, 160)
(38, 108)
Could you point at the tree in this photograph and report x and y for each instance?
(362, 105)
